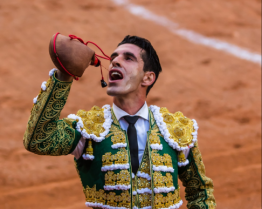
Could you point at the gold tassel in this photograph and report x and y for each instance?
(89, 149)
(181, 157)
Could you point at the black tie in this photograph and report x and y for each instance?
(132, 137)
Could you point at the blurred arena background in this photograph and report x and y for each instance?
(221, 90)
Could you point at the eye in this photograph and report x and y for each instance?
(128, 58)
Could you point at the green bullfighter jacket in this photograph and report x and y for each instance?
(105, 169)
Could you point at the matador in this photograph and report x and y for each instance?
(127, 155)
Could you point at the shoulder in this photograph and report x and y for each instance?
(94, 123)
(95, 115)
(179, 131)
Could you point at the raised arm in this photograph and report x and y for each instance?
(45, 133)
(199, 188)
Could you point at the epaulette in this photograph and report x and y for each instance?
(94, 125)
(179, 131)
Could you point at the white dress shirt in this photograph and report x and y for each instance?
(141, 125)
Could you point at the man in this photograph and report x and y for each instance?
(127, 156)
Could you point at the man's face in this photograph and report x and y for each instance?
(125, 70)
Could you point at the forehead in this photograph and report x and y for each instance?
(128, 48)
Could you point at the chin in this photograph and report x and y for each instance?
(113, 92)
(116, 91)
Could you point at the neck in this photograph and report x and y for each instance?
(129, 105)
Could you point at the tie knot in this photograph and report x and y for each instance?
(131, 119)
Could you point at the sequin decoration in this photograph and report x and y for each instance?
(101, 196)
(110, 178)
(159, 179)
(159, 160)
(112, 199)
(143, 183)
(179, 127)
(119, 137)
(90, 193)
(107, 159)
(123, 177)
(121, 157)
(163, 181)
(154, 138)
(171, 199)
(144, 167)
(145, 200)
(124, 199)
(93, 120)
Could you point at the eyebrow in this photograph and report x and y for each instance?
(115, 54)
(130, 54)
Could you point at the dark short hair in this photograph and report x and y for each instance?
(150, 58)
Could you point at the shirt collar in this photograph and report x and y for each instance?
(119, 113)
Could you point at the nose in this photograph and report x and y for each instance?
(116, 62)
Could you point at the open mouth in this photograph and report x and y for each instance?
(115, 75)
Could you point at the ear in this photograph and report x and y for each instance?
(148, 79)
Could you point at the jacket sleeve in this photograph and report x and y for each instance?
(199, 188)
(45, 133)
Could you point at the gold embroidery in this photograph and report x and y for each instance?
(145, 200)
(199, 188)
(117, 132)
(179, 127)
(159, 160)
(123, 177)
(169, 180)
(112, 199)
(167, 201)
(107, 159)
(158, 179)
(69, 121)
(145, 166)
(121, 157)
(93, 120)
(176, 196)
(154, 138)
(159, 201)
(119, 137)
(156, 158)
(98, 129)
(115, 121)
(90, 193)
(134, 182)
(168, 118)
(143, 183)
(100, 196)
(124, 199)
(167, 160)
(164, 110)
(152, 121)
(162, 181)
(45, 133)
(110, 178)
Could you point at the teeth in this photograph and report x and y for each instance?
(116, 75)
